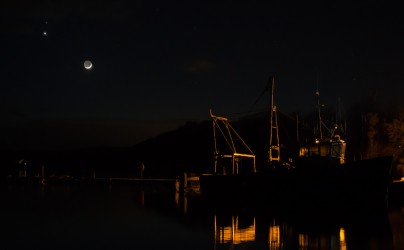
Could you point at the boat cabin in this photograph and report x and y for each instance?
(333, 149)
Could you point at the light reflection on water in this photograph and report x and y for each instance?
(102, 217)
(276, 235)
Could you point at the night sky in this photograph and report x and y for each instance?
(157, 66)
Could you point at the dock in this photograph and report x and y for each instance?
(134, 180)
(153, 183)
(184, 184)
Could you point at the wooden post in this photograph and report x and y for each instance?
(185, 181)
(141, 170)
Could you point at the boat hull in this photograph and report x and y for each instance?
(359, 181)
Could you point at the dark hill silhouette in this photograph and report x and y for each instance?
(189, 148)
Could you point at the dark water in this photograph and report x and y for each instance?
(112, 217)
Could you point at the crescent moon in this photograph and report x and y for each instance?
(88, 65)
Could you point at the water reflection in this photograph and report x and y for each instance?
(331, 240)
(233, 230)
(274, 241)
(107, 216)
(342, 241)
(237, 231)
(354, 227)
(396, 219)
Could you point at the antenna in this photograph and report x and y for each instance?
(319, 115)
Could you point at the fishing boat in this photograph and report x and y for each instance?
(320, 171)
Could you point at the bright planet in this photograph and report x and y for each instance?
(88, 64)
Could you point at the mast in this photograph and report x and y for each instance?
(274, 149)
(319, 115)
